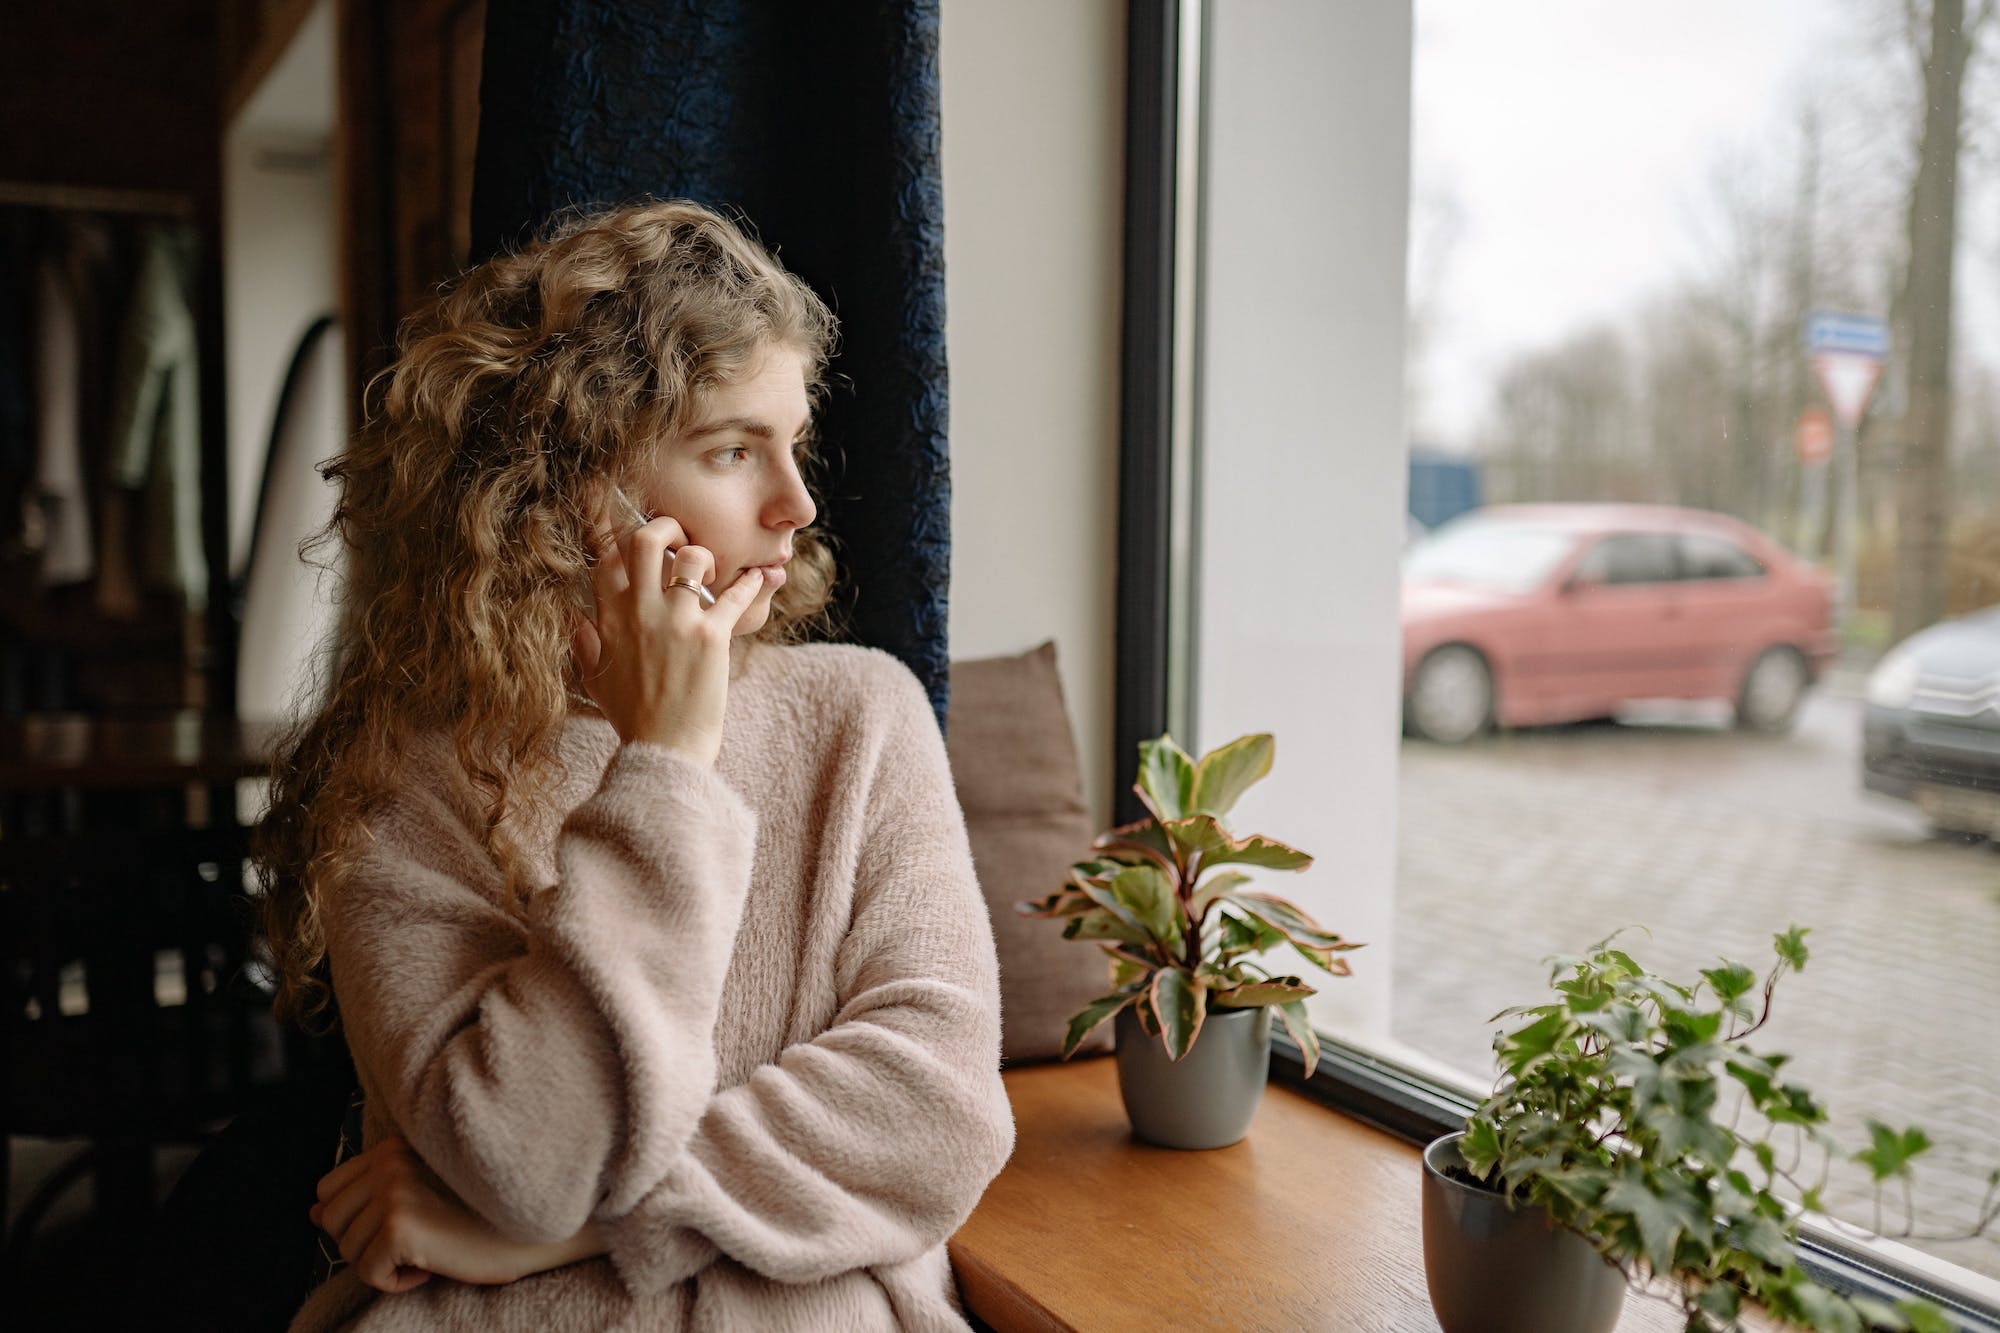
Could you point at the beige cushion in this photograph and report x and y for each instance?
(1013, 759)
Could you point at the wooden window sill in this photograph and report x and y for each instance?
(1312, 1222)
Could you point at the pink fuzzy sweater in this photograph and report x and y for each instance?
(752, 1026)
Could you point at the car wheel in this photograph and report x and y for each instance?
(1451, 696)
(1773, 688)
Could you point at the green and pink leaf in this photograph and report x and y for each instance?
(1093, 1015)
(1181, 1003)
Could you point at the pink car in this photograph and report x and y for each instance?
(1529, 614)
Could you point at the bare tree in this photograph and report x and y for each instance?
(1943, 42)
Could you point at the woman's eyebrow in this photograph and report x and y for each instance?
(763, 430)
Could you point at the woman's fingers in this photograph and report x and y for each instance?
(692, 562)
(736, 599)
(337, 1213)
(385, 1262)
(646, 554)
(355, 1238)
(336, 1180)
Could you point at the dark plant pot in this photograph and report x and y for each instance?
(1495, 1269)
(1208, 1098)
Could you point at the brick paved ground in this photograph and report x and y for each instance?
(1518, 846)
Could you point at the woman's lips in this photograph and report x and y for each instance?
(774, 575)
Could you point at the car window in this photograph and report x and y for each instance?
(1480, 552)
(1708, 557)
(1630, 557)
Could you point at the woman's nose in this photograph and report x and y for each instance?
(793, 506)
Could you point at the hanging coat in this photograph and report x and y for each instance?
(156, 424)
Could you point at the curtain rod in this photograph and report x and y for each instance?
(96, 199)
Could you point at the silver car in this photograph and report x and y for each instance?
(1931, 734)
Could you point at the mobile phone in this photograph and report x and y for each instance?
(627, 518)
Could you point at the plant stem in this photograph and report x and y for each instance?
(1184, 890)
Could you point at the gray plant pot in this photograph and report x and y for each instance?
(1495, 1269)
(1208, 1098)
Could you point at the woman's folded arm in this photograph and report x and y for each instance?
(552, 1068)
(871, 1143)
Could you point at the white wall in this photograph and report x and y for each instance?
(1033, 182)
(279, 274)
(1307, 167)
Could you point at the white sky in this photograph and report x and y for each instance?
(1576, 141)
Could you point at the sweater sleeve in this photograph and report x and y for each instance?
(871, 1143)
(482, 1032)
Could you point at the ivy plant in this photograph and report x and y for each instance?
(1632, 1109)
(1168, 901)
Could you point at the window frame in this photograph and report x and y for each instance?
(1158, 477)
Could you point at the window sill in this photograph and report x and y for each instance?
(1312, 1222)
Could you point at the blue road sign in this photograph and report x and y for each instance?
(1860, 335)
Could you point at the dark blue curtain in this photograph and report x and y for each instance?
(819, 122)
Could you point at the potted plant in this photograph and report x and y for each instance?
(1633, 1135)
(1168, 901)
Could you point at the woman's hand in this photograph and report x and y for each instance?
(398, 1224)
(655, 661)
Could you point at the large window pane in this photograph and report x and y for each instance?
(1624, 220)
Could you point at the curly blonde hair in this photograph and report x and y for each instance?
(465, 507)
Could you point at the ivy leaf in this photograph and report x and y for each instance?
(1661, 1213)
(1794, 1105)
(1764, 1239)
(1767, 1159)
(1791, 947)
(1227, 771)
(1166, 778)
(1877, 1315)
(1087, 1019)
(1617, 961)
(1731, 982)
(1757, 1077)
(1679, 1119)
(1522, 1048)
(1480, 1147)
(1720, 1301)
(1686, 1027)
(1924, 1317)
(1889, 1154)
(1181, 1001)
(1825, 1311)
(1619, 1020)
(1633, 1063)
(1582, 1186)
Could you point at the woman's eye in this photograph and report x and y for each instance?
(732, 455)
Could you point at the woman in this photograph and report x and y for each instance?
(654, 937)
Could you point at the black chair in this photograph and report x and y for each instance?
(130, 1019)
